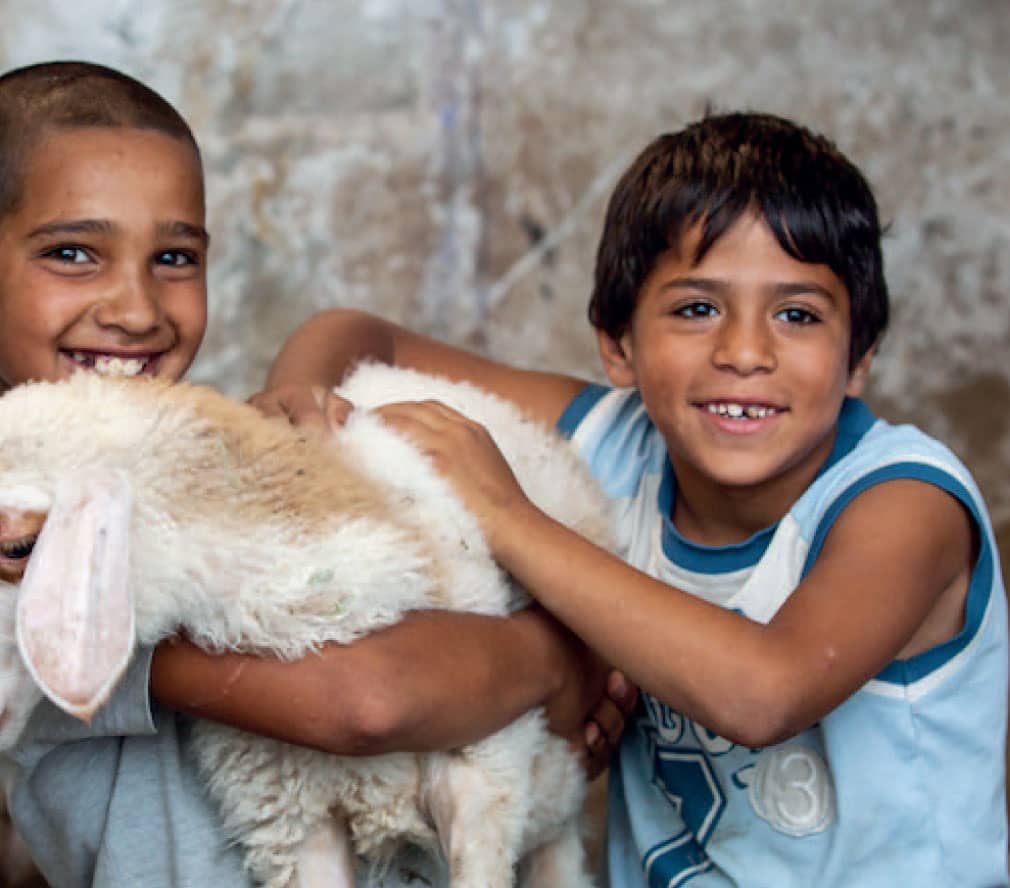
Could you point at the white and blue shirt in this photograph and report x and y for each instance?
(902, 784)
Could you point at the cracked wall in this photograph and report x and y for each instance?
(447, 162)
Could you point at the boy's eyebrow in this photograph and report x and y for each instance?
(693, 283)
(183, 229)
(104, 226)
(72, 226)
(713, 285)
(803, 288)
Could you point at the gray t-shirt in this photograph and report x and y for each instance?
(119, 803)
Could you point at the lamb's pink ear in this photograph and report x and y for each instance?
(75, 612)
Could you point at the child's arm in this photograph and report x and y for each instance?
(435, 680)
(884, 586)
(320, 352)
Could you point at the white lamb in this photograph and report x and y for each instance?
(170, 507)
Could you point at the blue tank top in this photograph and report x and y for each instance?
(902, 784)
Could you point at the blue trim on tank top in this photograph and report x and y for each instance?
(911, 670)
(579, 406)
(854, 420)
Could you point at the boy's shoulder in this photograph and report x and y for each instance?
(615, 435)
(869, 451)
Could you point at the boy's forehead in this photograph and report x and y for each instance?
(99, 170)
(85, 143)
(748, 251)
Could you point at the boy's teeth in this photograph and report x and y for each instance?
(739, 411)
(110, 365)
(113, 366)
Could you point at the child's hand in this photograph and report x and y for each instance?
(591, 705)
(307, 406)
(606, 723)
(463, 452)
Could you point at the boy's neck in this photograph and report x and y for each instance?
(714, 514)
(721, 527)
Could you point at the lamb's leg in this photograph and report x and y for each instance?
(270, 798)
(476, 824)
(325, 859)
(559, 863)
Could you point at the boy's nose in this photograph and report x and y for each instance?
(744, 347)
(132, 305)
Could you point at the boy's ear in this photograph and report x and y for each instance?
(858, 375)
(616, 357)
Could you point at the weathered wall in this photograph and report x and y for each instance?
(447, 162)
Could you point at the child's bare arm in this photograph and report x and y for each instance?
(320, 352)
(434, 681)
(318, 355)
(883, 586)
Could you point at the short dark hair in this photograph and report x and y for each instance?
(817, 203)
(61, 95)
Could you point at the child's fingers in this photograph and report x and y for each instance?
(304, 406)
(432, 415)
(610, 721)
(289, 402)
(266, 403)
(622, 692)
(336, 410)
(605, 725)
(434, 426)
(597, 752)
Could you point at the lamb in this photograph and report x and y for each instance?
(167, 507)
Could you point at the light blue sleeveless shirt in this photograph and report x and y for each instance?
(901, 785)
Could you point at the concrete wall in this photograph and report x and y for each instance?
(447, 162)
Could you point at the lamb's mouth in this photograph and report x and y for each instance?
(736, 410)
(18, 549)
(14, 555)
(113, 365)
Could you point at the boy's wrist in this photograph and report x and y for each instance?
(546, 651)
(515, 527)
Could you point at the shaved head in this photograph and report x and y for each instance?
(40, 100)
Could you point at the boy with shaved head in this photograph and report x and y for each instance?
(103, 254)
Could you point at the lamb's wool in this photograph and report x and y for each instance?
(253, 537)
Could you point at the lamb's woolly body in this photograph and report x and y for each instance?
(255, 538)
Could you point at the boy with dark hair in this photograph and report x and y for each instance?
(812, 602)
(103, 253)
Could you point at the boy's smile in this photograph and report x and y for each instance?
(742, 362)
(102, 261)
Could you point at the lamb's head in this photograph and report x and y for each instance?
(66, 622)
(66, 618)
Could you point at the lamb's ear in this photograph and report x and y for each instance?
(75, 612)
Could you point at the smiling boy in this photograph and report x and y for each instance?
(103, 255)
(102, 252)
(812, 601)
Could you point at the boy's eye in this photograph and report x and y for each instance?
(795, 315)
(69, 254)
(696, 310)
(175, 258)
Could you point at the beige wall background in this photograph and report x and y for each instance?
(447, 162)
